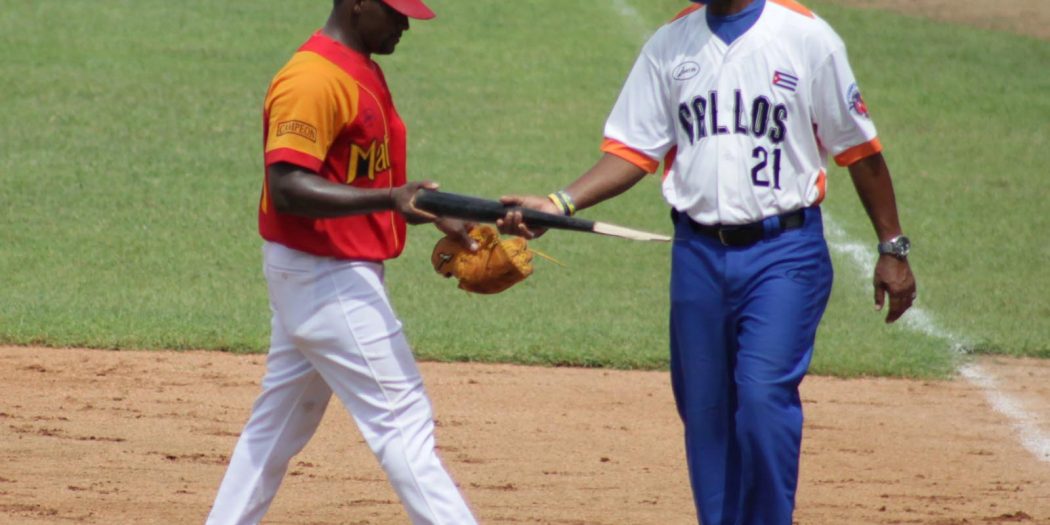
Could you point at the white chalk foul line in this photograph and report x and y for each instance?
(1027, 428)
(916, 319)
(919, 320)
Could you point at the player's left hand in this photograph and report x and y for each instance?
(459, 230)
(893, 277)
(404, 201)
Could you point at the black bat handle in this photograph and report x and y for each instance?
(487, 210)
(538, 219)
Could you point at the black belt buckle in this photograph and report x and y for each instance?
(739, 236)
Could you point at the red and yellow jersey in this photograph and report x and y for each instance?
(329, 111)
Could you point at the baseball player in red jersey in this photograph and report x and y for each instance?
(334, 207)
(744, 101)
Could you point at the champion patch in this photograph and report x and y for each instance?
(296, 127)
(856, 102)
(785, 81)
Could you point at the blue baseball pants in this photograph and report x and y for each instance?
(743, 322)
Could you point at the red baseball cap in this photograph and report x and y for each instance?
(411, 8)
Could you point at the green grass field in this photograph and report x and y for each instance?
(131, 168)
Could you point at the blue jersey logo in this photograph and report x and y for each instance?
(856, 102)
(685, 70)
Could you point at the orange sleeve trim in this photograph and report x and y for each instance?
(686, 11)
(630, 154)
(795, 6)
(822, 188)
(669, 161)
(858, 152)
(291, 156)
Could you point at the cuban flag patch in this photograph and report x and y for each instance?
(785, 80)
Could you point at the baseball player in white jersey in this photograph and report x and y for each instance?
(743, 101)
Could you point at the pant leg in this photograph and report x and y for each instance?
(284, 418)
(353, 339)
(784, 288)
(701, 365)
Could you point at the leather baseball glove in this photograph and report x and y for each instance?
(497, 265)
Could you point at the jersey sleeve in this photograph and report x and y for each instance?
(306, 110)
(841, 118)
(640, 128)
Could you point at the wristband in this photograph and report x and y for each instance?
(563, 201)
(557, 202)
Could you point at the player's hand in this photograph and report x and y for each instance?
(404, 198)
(459, 230)
(893, 277)
(514, 224)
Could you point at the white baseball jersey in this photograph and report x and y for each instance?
(744, 129)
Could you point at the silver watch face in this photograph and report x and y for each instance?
(902, 246)
(898, 246)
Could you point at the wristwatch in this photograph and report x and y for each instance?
(898, 247)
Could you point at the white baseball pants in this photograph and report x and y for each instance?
(333, 330)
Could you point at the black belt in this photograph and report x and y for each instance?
(743, 234)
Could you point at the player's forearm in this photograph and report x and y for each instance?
(609, 177)
(871, 178)
(297, 192)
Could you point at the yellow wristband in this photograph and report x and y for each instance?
(569, 204)
(563, 201)
(557, 202)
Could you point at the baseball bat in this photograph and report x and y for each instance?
(460, 206)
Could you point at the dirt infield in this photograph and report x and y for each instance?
(143, 437)
(1026, 17)
(98, 437)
